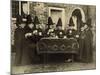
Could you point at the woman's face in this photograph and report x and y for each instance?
(71, 27)
(82, 28)
(85, 26)
(22, 25)
(59, 27)
(37, 26)
(51, 26)
(30, 25)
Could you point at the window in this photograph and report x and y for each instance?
(57, 13)
(24, 9)
(15, 8)
(20, 7)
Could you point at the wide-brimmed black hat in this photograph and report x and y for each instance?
(50, 22)
(71, 23)
(59, 23)
(36, 20)
(19, 19)
(29, 19)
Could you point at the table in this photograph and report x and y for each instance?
(57, 46)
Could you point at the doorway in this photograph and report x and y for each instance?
(79, 13)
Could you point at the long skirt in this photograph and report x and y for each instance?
(28, 54)
(86, 53)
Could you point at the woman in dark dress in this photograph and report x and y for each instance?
(85, 43)
(29, 45)
(33, 34)
(19, 39)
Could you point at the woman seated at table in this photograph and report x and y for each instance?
(59, 33)
(49, 31)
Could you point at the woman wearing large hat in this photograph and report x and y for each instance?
(37, 26)
(59, 32)
(29, 26)
(49, 31)
(36, 21)
(29, 48)
(71, 32)
(29, 23)
(19, 39)
(37, 32)
(85, 43)
(50, 22)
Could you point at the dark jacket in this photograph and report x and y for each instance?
(30, 52)
(59, 33)
(48, 33)
(29, 48)
(71, 33)
(38, 36)
(19, 41)
(85, 46)
(29, 39)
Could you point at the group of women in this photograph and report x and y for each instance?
(29, 32)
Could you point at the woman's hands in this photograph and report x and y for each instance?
(28, 34)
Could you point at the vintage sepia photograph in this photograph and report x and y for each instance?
(52, 37)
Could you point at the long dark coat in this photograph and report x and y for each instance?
(29, 48)
(85, 46)
(19, 40)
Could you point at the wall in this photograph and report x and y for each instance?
(42, 10)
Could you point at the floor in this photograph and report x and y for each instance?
(52, 67)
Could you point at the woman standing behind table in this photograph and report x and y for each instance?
(37, 32)
(85, 43)
(49, 31)
(59, 32)
(29, 45)
(71, 32)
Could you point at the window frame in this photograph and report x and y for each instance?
(28, 5)
(62, 12)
